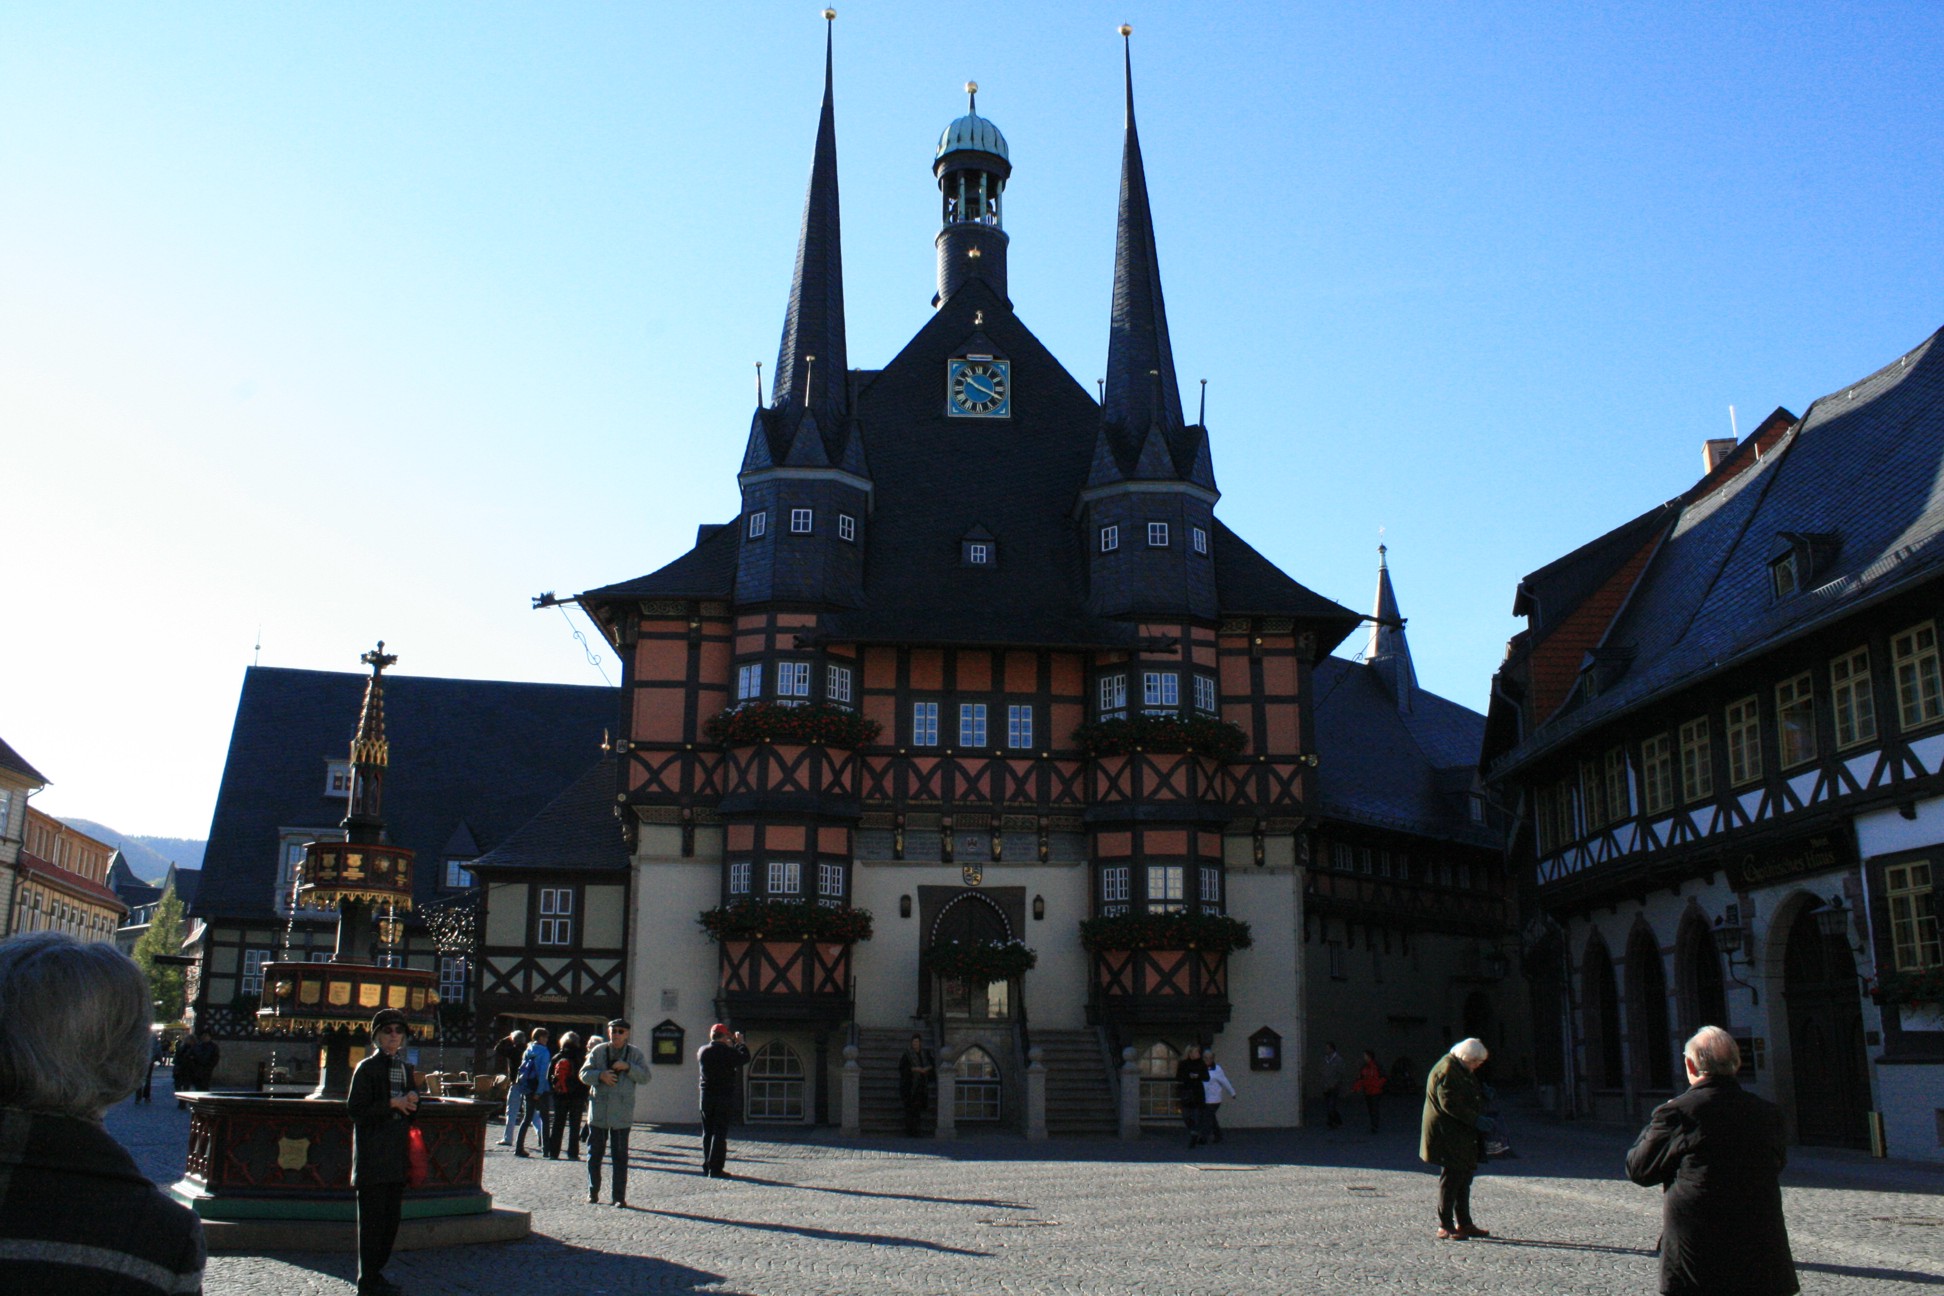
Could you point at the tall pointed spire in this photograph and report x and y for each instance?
(1138, 351)
(812, 366)
(1387, 650)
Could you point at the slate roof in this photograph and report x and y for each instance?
(1402, 770)
(577, 830)
(485, 753)
(13, 760)
(1865, 463)
(935, 477)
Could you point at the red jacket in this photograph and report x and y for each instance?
(1370, 1079)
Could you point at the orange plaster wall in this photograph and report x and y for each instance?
(1279, 675)
(974, 672)
(1115, 843)
(1066, 718)
(1282, 733)
(715, 662)
(658, 714)
(1165, 841)
(1235, 676)
(1022, 672)
(661, 661)
(1068, 672)
(742, 836)
(880, 668)
(833, 841)
(927, 668)
(884, 710)
(784, 837)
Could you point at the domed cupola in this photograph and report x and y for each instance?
(972, 166)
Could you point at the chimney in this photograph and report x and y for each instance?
(1715, 452)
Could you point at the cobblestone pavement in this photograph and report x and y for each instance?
(1289, 1211)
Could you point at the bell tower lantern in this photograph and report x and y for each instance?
(972, 167)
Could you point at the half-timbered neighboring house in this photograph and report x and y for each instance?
(975, 657)
(554, 923)
(1411, 913)
(1723, 734)
(470, 761)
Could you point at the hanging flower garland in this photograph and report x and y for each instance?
(786, 920)
(813, 723)
(1203, 735)
(1216, 933)
(980, 962)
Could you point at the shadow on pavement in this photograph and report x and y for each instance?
(821, 1235)
(1498, 1239)
(990, 1203)
(1882, 1275)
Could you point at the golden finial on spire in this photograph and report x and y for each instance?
(1126, 30)
(972, 94)
(830, 15)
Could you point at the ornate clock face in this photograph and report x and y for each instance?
(978, 387)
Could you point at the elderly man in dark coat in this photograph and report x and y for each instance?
(383, 1099)
(1718, 1151)
(1454, 1106)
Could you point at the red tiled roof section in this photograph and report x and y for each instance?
(72, 882)
(1554, 665)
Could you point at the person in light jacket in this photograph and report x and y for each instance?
(1454, 1104)
(383, 1100)
(1212, 1088)
(1718, 1152)
(612, 1070)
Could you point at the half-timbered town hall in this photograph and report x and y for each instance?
(976, 721)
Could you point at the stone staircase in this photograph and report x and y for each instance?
(879, 1113)
(1079, 1096)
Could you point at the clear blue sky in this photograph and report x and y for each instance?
(363, 321)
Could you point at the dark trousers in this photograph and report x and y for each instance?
(1191, 1116)
(1370, 1104)
(1454, 1197)
(614, 1142)
(716, 1112)
(378, 1209)
(1331, 1116)
(1211, 1123)
(566, 1119)
(539, 1108)
(914, 1111)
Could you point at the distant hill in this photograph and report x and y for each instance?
(150, 857)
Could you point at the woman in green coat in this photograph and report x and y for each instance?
(1454, 1104)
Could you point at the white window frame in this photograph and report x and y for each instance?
(1697, 759)
(457, 876)
(1199, 537)
(1914, 657)
(1205, 694)
(337, 778)
(739, 871)
(1113, 695)
(978, 553)
(454, 977)
(758, 524)
(1211, 887)
(1160, 690)
(837, 684)
(1113, 889)
(793, 680)
(1795, 720)
(802, 521)
(556, 922)
(251, 981)
(1019, 726)
(1157, 535)
(785, 878)
(1110, 537)
(846, 527)
(924, 724)
(1167, 888)
(1854, 701)
(1742, 723)
(972, 724)
(830, 884)
(749, 682)
(1657, 774)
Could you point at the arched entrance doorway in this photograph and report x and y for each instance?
(972, 919)
(1600, 1014)
(1545, 969)
(1832, 1084)
(1653, 1057)
(1698, 983)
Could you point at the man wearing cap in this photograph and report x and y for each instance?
(720, 1061)
(384, 1096)
(611, 1071)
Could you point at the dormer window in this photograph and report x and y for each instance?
(1785, 576)
(978, 553)
(1797, 557)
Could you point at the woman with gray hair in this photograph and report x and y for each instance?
(75, 1213)
(1718, 1152)
(1454, 1103)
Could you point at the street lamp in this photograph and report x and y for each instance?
(1833, 920)
(1732, 940)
